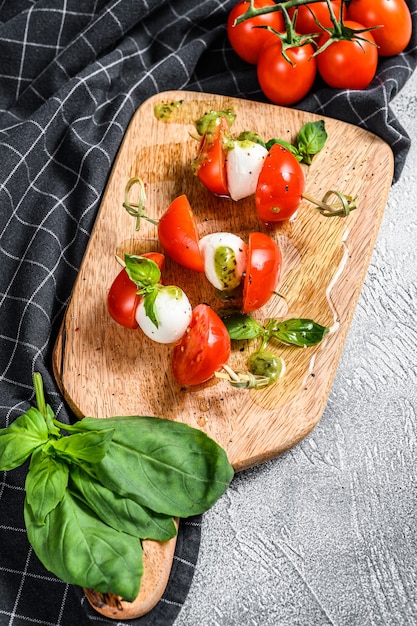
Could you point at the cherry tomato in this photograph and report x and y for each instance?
(348, 64)
(210, 164)
(263, 271)
(394, 17)
(281, 185)
(225, 259)
(203, 349)
(178, 234)
(282, 82)
(306, 24)
(123, 300)
(245, 39)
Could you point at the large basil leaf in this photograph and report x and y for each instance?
(121, 513)
(166, 466)
(81, 550)
(89, 446)
(21, 438)
(45, 485)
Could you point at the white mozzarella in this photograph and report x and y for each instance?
(244, 164)
(172, 310)
(225, 259)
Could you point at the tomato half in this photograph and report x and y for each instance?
(280, 187)
(245, 39)
(263, 271)
(306, 13)
(210, 164)
(394, 17)
(348, 64)
(123, 300)
(282, 82)
(203, 349)
(156, 257)
(178, 234)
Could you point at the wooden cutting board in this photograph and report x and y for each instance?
(105, 370)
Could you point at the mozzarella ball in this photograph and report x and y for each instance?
(172, 310)
(244, 164)
(225, 259)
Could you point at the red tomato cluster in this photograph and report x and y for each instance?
(349, 62)
(308, 16)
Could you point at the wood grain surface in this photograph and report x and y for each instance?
(106, 370)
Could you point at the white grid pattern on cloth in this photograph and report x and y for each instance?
(71, 76)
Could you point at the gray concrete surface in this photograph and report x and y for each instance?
(326, 534)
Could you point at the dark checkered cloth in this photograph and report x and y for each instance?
(72, 75)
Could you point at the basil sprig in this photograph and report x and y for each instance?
(309, 141)
(301, 332)
(96, 489)
(265, 366)
(144, 272)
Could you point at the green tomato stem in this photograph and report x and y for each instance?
(283, 7)
(42, 405)
(267, 334)
(39, 394)
(337, 24)
(338, 31)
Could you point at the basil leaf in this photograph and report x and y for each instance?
(21, 438)
(149, 304)
(311, 139)
(45, 485)
(241, 326)
(142, 271)
(121, 513)
(167, 466)
(77, 447)
(289, 146)
(299, 332)
(50, 422)
(171, 291)
(81, 550)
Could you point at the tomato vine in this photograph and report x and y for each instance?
(343, 49)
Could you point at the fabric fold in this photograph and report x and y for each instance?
(72, 74)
